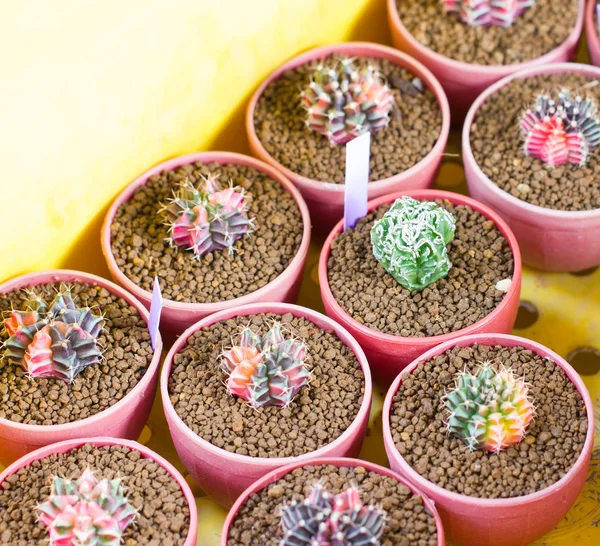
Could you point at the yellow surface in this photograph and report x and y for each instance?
(93, 93)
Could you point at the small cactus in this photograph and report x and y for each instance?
(206, 219)
(58, 341)
(490, 410)
(323, 519)
(477, 13)
(410, 242)
(344, 102)
(562, 129)
(87, 512)
(267, 370)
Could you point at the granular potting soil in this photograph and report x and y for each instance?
(551, 445)
(319, 413)
(480, 257)
(498, 147)
(142, 252)
(279, 119)
(163, 517)
(127, 353)
(539, 30)
(409, 523)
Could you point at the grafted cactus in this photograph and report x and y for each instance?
(563, 129)
(475, 13)
(206, 219)
(323, 519)
(344, 102)
(59, 340)
(490, 410)
(87, 512)
(266, 370)
(410, 242)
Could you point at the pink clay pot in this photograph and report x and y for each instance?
(388, 354)
(324, 199)
(177, 316)
(70, 445)
(471, 521)
(463, 82)
(553, 240)
(591, 32)
(279, 473)
(224, 475)
(125, 419)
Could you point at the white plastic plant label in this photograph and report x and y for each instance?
(358, 153)
(155, 311)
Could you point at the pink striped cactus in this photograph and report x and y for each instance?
(206, 219)
(87, 512)
(476, 13)
(344, 102)
(266, 370)
(323, 519)
(59, 340)
(559, 130)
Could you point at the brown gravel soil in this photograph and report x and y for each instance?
(279, 121)
(480, 257)
(319, 413)
(409, 523)
(127, 355)
(141, 251)
(539, 30)
(551, 445)
(163, 517)
(498, 147)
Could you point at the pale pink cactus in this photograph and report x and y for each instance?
(206, 219)
(267, 370)
(501, 13)
(87, 512)
(561, 130)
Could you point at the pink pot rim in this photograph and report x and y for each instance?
(339, 462)
(591, 30)
(59, 275)
(223, 158)
(489, 339)
(365, 49)
(253, 309)
(467, 152)
(422, 341)
(480, 69)
(69, 445)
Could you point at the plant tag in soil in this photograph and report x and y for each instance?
(155, 310)
(358, 152)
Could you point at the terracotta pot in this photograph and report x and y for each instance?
(463, 82)
(472, 521)
(591, 32)
(340, 463)
(177, 316)
(388, 354)
(324, 199)
(70, 445)
(224, 475)
(125, 419)
(553, 240)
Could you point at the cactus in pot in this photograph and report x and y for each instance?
(475, 13)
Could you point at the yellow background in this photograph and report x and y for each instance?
(92, 93)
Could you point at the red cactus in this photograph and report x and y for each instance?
(501, 13)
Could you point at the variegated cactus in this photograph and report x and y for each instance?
(266, 370)
(59, 340)
(87, 512)
(206, 219)
(323, 519)
(475, 13)
(561, 128)
(345, 102)
(490, 410)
